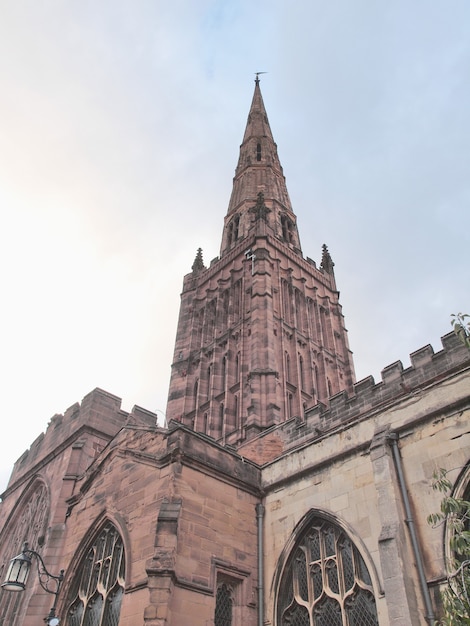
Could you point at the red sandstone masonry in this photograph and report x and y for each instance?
(426, 368)
(99, 411)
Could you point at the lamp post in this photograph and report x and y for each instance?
(17, 576)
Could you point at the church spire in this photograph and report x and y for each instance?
(257, 124)
(261, 335)
(259, 171)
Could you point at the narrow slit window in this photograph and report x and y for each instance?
(223, 606)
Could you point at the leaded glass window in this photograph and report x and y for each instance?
(223, 606)
(325, 581)
(29, 523)
(97, 594)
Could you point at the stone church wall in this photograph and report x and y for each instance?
(350, 474)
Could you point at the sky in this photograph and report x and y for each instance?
(120, 126)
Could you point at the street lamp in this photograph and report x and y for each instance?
(17, 576)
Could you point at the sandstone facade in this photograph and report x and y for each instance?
(282, 492)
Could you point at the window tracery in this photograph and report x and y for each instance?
(99, 587)
(325, 581)
(29, 524)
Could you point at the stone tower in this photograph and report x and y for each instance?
(261, 335)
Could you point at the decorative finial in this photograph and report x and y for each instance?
(257, 76)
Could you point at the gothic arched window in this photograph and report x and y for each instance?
(28, 523)
(236, 225)
(97, 592)
(223, 606)
(325, 581)
(286, 226)
(460, 492)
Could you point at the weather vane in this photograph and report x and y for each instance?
(257, 76)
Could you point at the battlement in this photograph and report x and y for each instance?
(99, 411)
(427, 367)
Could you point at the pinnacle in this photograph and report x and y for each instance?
(198, 261)
(326, 260)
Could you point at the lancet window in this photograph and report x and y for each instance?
(325, 581)
(96, 596)
(233, 228)
(286, 226)
(223, 606)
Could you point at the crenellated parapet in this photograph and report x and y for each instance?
(368, 398)
(88, 426)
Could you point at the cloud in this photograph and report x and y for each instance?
(120, 129)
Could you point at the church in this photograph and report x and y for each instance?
(281, 491)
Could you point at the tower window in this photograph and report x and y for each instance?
(232, 230)
(286, 226)
(236, 223)
(258, 152)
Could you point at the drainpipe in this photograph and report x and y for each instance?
(409, 521)
(259, 519)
